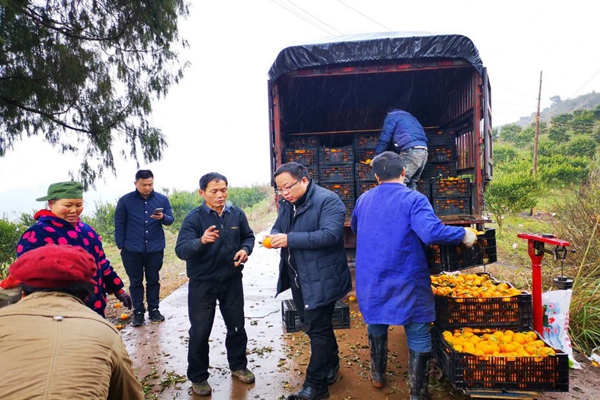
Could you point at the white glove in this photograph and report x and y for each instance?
(470, 238)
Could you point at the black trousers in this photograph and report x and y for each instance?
(318, 326)
(137, 265)
(202, 301)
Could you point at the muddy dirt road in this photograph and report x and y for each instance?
(279, 360)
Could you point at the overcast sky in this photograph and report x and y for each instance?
(217, 118)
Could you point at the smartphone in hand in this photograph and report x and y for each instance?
(158, 211)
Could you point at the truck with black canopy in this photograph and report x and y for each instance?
(328, 100)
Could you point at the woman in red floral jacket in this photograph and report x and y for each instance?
(60, 224)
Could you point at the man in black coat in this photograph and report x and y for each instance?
(215, 241)
(309, 231)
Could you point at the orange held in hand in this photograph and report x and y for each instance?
(267, 242)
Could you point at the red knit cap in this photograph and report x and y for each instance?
(54, 266)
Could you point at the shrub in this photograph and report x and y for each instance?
(103, 221)
(10, 233)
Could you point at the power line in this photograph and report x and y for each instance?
(366, 16)
(324, 23)
(300, 16)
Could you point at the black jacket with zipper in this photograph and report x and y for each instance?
(316, 247)
(213, 261)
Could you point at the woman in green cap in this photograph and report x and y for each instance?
(60, 224)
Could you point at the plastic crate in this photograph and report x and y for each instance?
(349, 209)
(302, 142)
(505, 312)
(468, 372)
(440, 138)
(364, 172)
(301, 156)
(436, 170)
(441, 154)
(363, 186)
(313, 172)
(451, 205)
(344, 190)
(336, 155)
(291, 319)
(450, 187)
(424, 187)
(366, 140)
(364, 156)
(336, 173)
(458, 257)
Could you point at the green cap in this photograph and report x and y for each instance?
(63, 190)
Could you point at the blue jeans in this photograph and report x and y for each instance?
(417, 335)
(414, 161)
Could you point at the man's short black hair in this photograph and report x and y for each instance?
(143, 174)
(388, 165)
(211, 176)
(297, 171)
(82, 291)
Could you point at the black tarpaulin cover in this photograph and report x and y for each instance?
(388, 46)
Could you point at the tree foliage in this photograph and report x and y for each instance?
(83, 74)
(510, 193)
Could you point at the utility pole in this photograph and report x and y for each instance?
(537, 134)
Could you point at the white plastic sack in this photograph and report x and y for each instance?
(556, 321)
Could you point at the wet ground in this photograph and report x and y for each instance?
(278, 359)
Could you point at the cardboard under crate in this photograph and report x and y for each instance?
(291, 319)
(468, 372)
(458, 257)
(301, 156)
(336, 173)
(336, 155)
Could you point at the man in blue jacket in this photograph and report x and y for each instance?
(393, 286)
(139, 234)
(309, 231)
(407, 137)
(215, 241)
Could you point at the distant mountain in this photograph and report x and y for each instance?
(558, 107)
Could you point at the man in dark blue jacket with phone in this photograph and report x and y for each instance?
(215, 241)
(139, 234)
(404, 134)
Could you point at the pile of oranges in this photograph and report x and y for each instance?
(498, 343)
(470, 286)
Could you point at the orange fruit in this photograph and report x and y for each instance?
(124, 316)
(267, 242)
(119, 326)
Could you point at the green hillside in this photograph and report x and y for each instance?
(584, 102)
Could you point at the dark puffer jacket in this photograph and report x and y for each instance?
(402, 131)
(315, 240)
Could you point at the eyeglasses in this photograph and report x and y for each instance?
(287, 189)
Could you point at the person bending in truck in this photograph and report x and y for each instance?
(215, 241)
(309, 232)
(405, 135)
(393, 286)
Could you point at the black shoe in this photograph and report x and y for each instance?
(418, 375)
(332, 374)
(309, 393)
(156, 316)
(138, 319)
(379, 351)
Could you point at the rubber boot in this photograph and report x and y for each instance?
(418, 375)
(379, 350)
